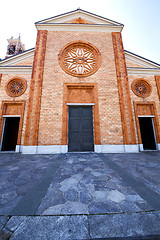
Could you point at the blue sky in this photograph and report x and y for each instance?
(141, 19)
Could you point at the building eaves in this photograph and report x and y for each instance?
(63, 14)
(142, 57)
(3, 60)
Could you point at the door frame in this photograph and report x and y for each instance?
(81, 105)
(93, 87)
(4, 114)
(154, 133)
(4, 123)
(148, 110)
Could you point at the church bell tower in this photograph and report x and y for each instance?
(15, 46)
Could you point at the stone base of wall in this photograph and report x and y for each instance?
(53, 149)
(116, 148)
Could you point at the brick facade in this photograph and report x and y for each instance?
(44, 125)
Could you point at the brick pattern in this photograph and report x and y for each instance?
(27, 62)
(130, 63)
(80, 93)
(153, 97)
(124, 93)
(0, 77)
(23, 97)
(147, 108)
(32, 123)
(54, 78)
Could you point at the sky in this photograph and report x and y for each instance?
(141, 19)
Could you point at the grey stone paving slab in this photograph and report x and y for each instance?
(124, 225)
(158, 214)
(67, 208)
(130, 207)
(150, 196)
(6, 209)
(104, 207)
(92, 184)
(18, 174)
(3, 221)
(145, 167)
(83, 179)
(59, 228)
(29, 204)
(14, 222)
(116, 196)
(85, 197)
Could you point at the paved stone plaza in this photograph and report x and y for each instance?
(80, 196)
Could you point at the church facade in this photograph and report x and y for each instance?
(78, 90)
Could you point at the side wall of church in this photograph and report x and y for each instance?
(152, 98)
(24, 97)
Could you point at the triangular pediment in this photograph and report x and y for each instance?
(136, 61)
(79, 16)
(21, 59)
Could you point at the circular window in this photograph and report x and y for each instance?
(16, 87)
(79, 59)
(141, 88)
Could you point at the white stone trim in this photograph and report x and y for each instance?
(143, 71)
(54, 149)
(16, 69)
(80, 104)
(48, 149)
(146, 116)
(131, 148)
(64, 148)
(11, 116)
(17, 148)
(28, 149)
(98, 148)
(79, 27)
(141, 147)
(116, 148)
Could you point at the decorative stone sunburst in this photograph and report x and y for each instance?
(141, 88)
(16, 87)
(80, 59)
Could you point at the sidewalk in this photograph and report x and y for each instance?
(80, 196)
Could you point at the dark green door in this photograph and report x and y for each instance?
(80, 132)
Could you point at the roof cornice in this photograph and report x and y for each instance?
(17, 58)
(79, 27)
(140, 60)
(16, 69)
(90, 16)
(143, 71)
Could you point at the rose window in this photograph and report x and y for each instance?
(16, 87)
(141, 88)
(79, 59)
